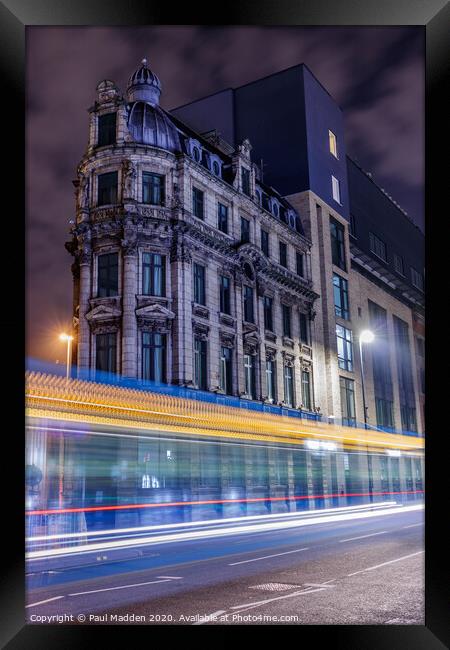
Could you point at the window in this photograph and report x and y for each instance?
(106, 356)
(270, 380)
(153, 188)
(225, 294)
(248, 304)
(299, 264)
(153, 274)
(336, 189)
(107, 189)
(196, 154)
(337, 244)
(265, 242)
(216, 168)
(197, 203)
(249, 373)
(246, 181)
(345, 348)
(275, 210)
(154, 356)
(340, 288)
(384, 412)
(304, 329)
(283, 254)
(333, 143)
(286, 311)
(377, 246)
(347, 387)
(306, 390)
(398, 264)
(225, 371)
(200, 364)
(417, 279)
(222, 217)
(108, 275)
(289, 385)
(268, 313)
(199, 284)
(352, 226)
(245, 230)
(106, 129)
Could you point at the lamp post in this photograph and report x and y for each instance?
(366, 336)
(69, 339)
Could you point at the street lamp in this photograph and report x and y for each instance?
(366, 336)
(69, 339)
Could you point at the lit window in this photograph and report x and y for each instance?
(333, 143)
(336, 190)
(344, 348)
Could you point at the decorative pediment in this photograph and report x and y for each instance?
(155, 311)
(103, 312)
(250, 253)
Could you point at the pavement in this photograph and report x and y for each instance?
(367, 571)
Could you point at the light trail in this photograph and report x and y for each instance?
(169, 504)
(208, 522)
(195, 535)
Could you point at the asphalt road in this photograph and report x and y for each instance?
(360, 571)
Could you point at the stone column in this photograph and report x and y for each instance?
(129, 324)
(84, 334)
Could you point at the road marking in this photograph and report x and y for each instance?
(41, 602)
(412, 526)
(265, 557)
(270, 600)
(207, 618)
(362, 537)
(171, 577)
(139, 584)
(405, 557)
(324, 584)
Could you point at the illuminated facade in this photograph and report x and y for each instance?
(191, 269)
(188, 269)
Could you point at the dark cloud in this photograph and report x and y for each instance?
(376, 74)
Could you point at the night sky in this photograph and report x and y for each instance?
(376, 74)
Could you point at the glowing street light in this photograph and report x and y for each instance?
(69, 339)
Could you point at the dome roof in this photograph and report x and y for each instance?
(144, 85)
(149, 124)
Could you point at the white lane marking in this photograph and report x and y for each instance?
(236, 530)
(209, 617)
(171, 577)
(265, 557)
(399, 559)
(412, 526)
(350, 539)
(41, 602)
(270, 600)
(324, 584)
(96, 591)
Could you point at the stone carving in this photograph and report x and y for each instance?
(226, 339)
(83, 194)
(155, 318)
(200, 330)
(200, 310)
(128, 179)
(251, 346)
(271, 354)
(288, 359)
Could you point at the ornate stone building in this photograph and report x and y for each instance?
(187, 268)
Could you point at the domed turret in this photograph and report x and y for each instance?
(147, 122)
(144, 85)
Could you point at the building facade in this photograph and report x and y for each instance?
(190, 268)
(367, 260)
(187, 268)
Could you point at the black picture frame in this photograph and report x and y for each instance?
(434, 16)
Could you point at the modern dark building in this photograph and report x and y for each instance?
(365, 249)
